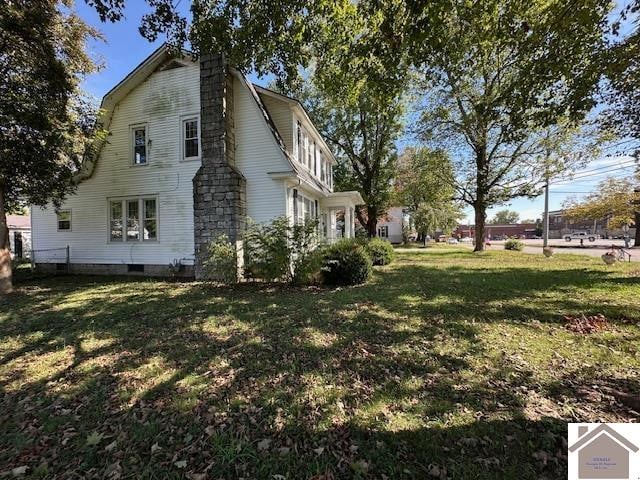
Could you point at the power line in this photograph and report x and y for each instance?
(591, 175)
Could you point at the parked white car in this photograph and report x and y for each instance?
(581, 236)
(452, 241)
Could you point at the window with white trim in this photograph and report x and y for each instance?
(304, 208)
(133, 219)
(139, 144)
(64, 220)
(190, 138)
(383, 231)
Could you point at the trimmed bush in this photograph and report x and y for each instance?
(513, 244)
(346, 263)
(380, 251)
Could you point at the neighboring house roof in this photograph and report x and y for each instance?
(19, 222)
(596, 432)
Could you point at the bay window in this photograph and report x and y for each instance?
(133, 220)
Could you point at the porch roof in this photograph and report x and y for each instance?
(342, 199)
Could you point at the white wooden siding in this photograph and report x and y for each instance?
(393, 220)
(257, 154)
(160, 102)
(282, 117)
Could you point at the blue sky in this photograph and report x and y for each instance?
(124, 48)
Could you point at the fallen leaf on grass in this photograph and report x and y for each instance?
(585, 324)
(180, 464)
(264, 444)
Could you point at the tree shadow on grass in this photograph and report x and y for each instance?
(262, 380)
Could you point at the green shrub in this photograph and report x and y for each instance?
(308, 268)
(266, 250)
(279, 251)
(346, 263)
(380, 251)
(513, 244)
(221, 262)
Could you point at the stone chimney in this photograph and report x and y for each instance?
(219, 189)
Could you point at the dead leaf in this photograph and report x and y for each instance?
(111, 446)
(180, 464)
(155, 447)
(319, 450)
(16, 472)
(264, 444)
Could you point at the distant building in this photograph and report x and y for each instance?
(19, 235)
(497, 232)
(560, 225)
(390, 225)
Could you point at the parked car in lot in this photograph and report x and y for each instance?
(581, 236)
(452, 241)
(466, 240)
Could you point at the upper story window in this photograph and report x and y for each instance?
(64, 220)
(190, 138)
(139, 142)
(133, 219)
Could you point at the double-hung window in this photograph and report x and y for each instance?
(139, 143)
(383, 231)
(190, 139)
(133, 219)
(64, 220)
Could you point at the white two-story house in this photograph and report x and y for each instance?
(193, 150)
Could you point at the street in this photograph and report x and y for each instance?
(594, 249)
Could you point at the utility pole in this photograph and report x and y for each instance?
(545, 233)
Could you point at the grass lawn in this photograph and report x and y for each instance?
(448, 364)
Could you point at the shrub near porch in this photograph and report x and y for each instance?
(447, 364)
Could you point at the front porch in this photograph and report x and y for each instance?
(337, 215)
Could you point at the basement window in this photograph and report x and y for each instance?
(135, 267)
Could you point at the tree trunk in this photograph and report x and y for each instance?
(6, 285)
(481, 218)
(636, 242)
(372, 222)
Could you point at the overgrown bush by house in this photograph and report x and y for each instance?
(346, 263)
(221, 263)
(513, 244)
(381, 251)
(279, 251)
(266, 250)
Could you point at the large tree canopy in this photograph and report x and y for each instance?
(497, 73)
(43, 120)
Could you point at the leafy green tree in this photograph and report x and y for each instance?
(44, 123)
(424, 176)
(504, 217)
(614, 198)
(363, 133)
(495, 73)
(622, 70)
(358, 103)
(424, 184)
(428, 218)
